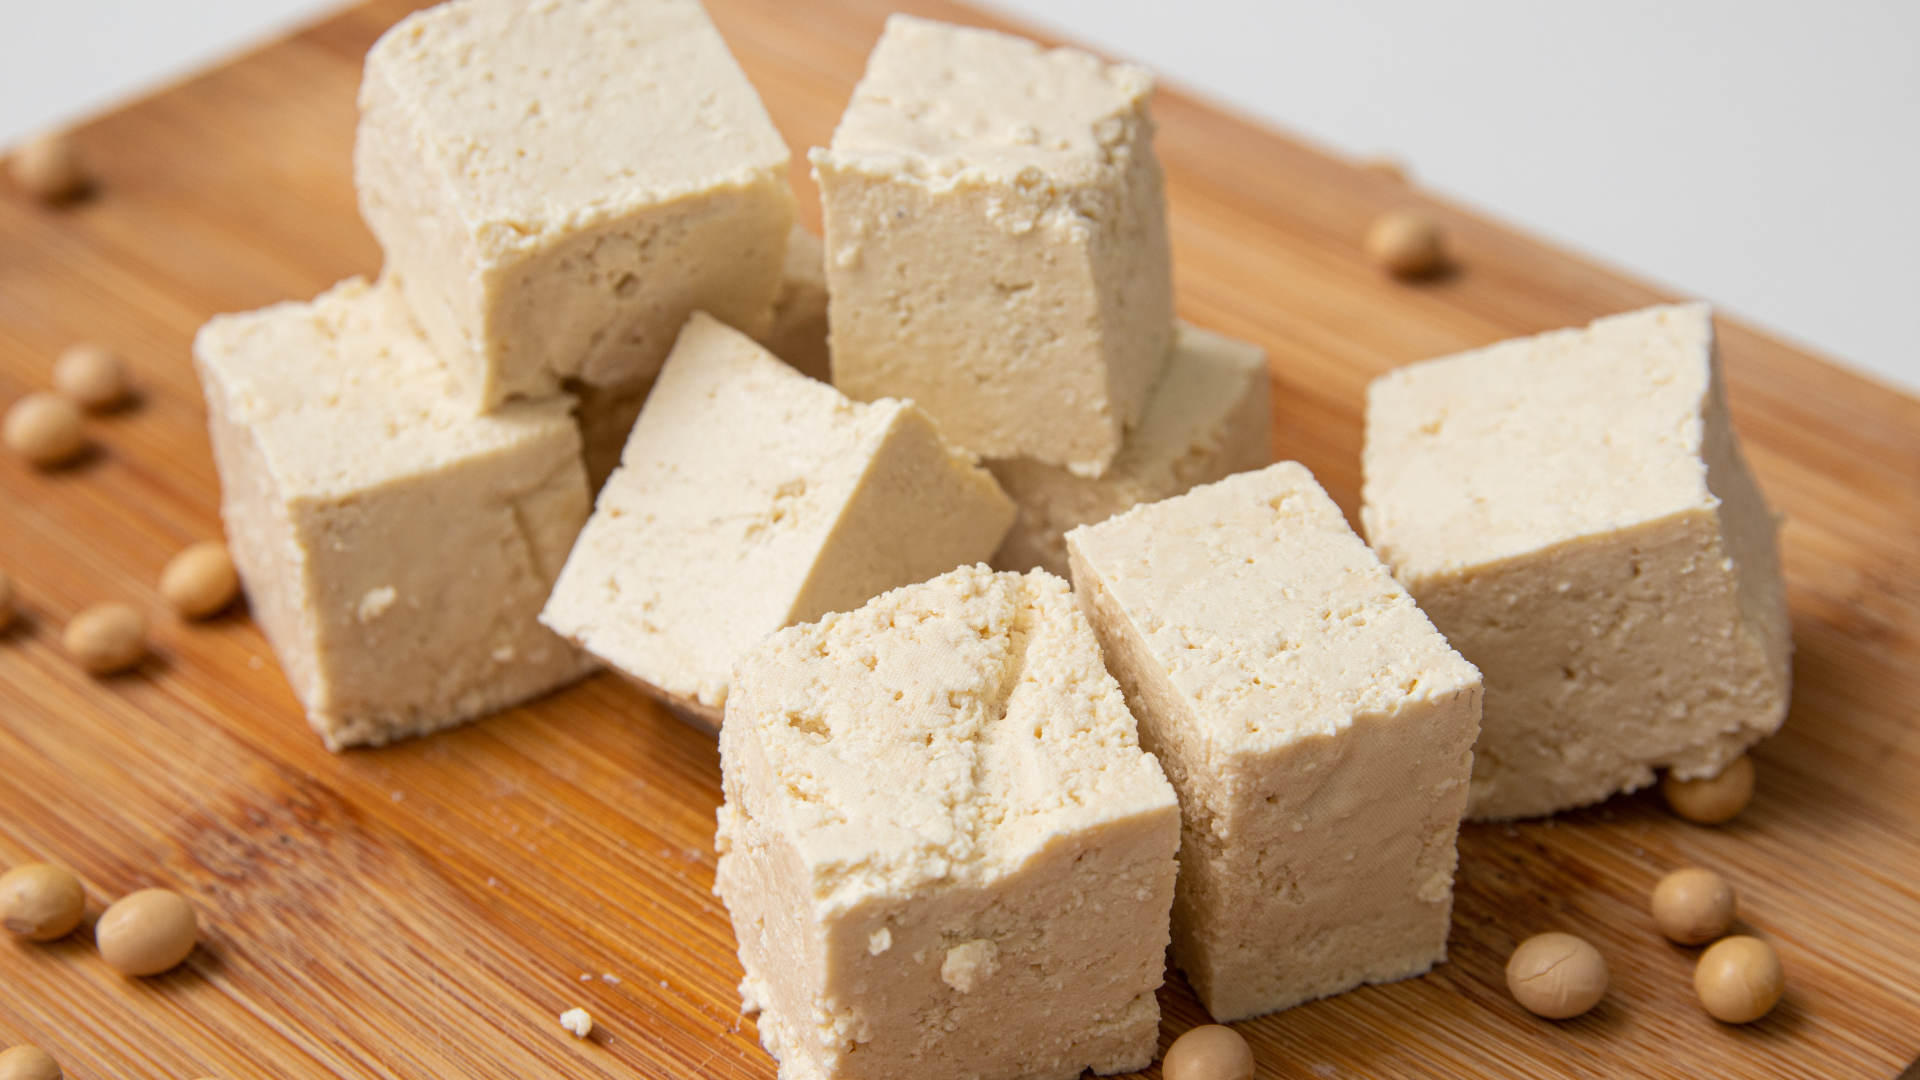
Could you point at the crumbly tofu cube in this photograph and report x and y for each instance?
(1318, 729)
(1574, 513)
(943, 850)
(997, 242)
(751, 497)
(1209, 418)
(558, 183)
(799, 333)
(396, 549)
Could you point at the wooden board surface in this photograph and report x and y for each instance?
(427, 910)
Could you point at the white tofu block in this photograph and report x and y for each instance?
(751, 497)
(558, 183)
(1316, 726)
(942, 848)
(1574, 513)
(997, 242)
(799, 333)
(1210, 417)
(396, 549)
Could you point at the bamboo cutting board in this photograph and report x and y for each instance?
(427, 910)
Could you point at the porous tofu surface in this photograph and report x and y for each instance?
(1209, 418)
(1510, 449)
(1574, 512)
(558, 183)
(939, 100)
(395, 548)
(343, 394)
(996, 242)
(750, 497)
(1316, 726)
(942, 848)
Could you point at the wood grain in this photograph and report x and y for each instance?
(429, 909)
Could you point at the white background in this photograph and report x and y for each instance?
(1759, 153)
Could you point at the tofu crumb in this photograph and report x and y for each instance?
(376, 602)
(578, 1022)
(969, 964)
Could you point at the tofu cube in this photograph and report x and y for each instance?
(942, 848)
(1209, 418)
(997, 242)
(395, 548)
(751, 497)
(1574, 513)
(1317, 727)
(558, 183)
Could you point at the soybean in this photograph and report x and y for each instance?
(1693, 906)
(1557, 976)
(1406, 244)
(106, 638)
(25, 1062)
(41, 901)
(1209, 1052)
(91, 375)
(147, 932)
(1714, 800)
(1739, 979)
(200, 580)
(45, 429)
(49, 168)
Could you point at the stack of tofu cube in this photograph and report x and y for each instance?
(964, 822)
(997, 281)
(590, 246)
(940, 854)
(556, 187)
(968, 809)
